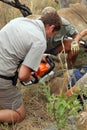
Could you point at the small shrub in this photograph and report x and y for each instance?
(61, 107)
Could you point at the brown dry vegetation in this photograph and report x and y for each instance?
(37, 116)
(7, 12)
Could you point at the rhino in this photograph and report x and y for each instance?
(76, 14)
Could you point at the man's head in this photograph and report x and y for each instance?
(51, 20)
(48, 9)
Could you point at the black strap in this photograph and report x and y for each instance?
(7, 78)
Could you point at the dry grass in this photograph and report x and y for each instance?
(37, 116)
(7, 12)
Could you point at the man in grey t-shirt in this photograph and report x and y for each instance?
(67, 30)
(24, 40)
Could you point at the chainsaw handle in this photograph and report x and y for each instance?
(33, 81)
(35, 75)
(50, 61)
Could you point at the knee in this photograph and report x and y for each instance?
(21, 113)
(22, 116)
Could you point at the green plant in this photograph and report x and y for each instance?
(4, 126)
(61, 107)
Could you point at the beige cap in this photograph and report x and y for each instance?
(48, 10)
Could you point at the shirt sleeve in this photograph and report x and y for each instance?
(34, 55)
(69, 27)
(71, 30)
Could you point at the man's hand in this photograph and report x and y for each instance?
(74, 46)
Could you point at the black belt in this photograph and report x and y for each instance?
(7, 78)
(13, 78)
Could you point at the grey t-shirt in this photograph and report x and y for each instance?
(67, 29)
(22, 39)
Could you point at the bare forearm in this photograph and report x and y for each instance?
(81, 35)
(70, 91)
(80, 83)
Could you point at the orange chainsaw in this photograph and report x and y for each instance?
(43, 69)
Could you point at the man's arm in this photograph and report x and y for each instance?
(80, 84)
(81, 35)
(70, 91)
(24, 73)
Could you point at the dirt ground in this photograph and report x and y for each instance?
(37, 116)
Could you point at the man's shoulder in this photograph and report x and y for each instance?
(65, 21)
